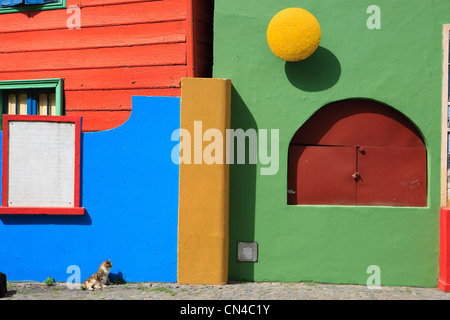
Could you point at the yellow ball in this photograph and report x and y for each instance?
(293, 34)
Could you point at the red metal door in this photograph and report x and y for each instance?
(321, 175)
(392, 177)
(323, 156)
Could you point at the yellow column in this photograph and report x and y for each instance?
(203, 203)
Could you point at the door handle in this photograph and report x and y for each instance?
(356, 176)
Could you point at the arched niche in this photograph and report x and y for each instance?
(357, 152)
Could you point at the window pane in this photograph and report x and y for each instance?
(9, 3)
(43, 104)
(52, 104)
(22, 103)
(11, 104)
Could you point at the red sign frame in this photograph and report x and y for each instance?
(76, 209)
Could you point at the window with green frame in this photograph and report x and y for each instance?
(32, 97)
(7, 6)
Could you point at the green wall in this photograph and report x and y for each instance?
(399, 65)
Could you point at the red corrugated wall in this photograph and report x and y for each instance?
(123, 48)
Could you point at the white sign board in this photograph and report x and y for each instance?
(41, 164)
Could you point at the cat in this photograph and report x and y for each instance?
(100, 278)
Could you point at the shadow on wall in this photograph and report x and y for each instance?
(33, 219)
(319, 72)
(117, 278)
(242, 194)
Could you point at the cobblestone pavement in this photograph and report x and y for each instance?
(232, 291)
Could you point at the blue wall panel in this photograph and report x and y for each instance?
(130, 192)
